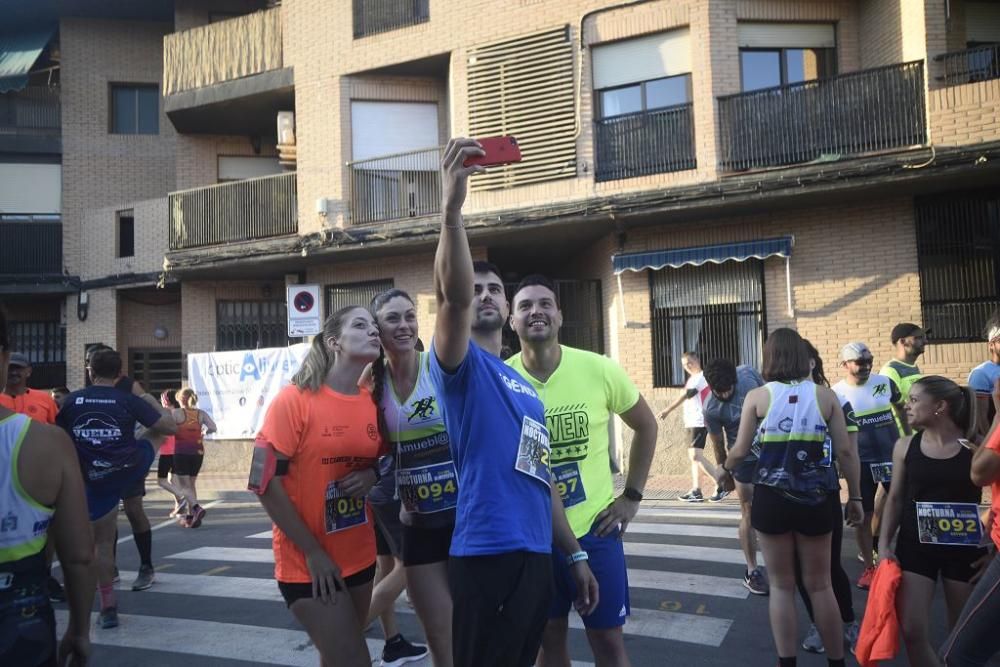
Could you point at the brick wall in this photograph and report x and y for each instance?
(965, 114)
(198, 301)
(140, 312)
(197, 156)
(101, 326)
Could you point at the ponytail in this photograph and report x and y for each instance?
(313, 372)
(378, 392)
(961, 401)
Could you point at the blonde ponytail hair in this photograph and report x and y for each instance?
(318, 361)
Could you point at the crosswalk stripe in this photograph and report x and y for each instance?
(270, 646)
(256, 588)
(686, 529)
(690, 514)
(649, 550)
(266, 535)
(685, 552)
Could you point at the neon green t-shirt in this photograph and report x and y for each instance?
(579, 398)
(904, 375)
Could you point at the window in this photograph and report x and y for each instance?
(778, 54)
(715, 310)
(958, 255)
(44, 343)
(645, 96)
(125, 233)
(248, 325)
(135, 109)
(157, 369)
(354, 294)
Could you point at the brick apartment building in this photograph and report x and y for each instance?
(696, 172)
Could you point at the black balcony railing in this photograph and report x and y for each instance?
(861, 112)
(393, 187)
(648, 142)
(257, 208)
(32, 110)
(30, 248)
(981, 63)
(374, 16)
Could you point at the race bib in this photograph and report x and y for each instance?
(955, 524)
(342, 511)
(569, 484)
(428, 489)
(881, 472)
(533, 451)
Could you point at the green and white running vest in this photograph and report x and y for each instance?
(23, 520)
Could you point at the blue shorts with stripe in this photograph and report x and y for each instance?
(103, 495)
(607, 562)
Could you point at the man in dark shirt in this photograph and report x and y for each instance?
(101, 421)
(730, 385)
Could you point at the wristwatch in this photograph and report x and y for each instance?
(632, 494)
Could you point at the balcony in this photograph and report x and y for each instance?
(862, 112)
(208, 69)
(644, 143)
(30, 120)
(396, 187)
(250, 210)
(31, 248)
(374, 16)
(969, 66)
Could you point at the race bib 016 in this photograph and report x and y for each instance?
(533, 451)
(428, 489)
(955, 524)
(569, 484)
(881, 472)
(342, 511)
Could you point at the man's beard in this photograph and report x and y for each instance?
(487, 325)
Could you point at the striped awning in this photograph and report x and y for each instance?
(696, 256)
(18, 53)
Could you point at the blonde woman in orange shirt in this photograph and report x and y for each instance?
(325, 438)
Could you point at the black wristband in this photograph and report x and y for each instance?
(631, 494)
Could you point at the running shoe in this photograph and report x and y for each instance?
(185, 520)
(145, 579)
(719, 495)
(813, 642)
(174, 512)
(865, 580)
(56, 592)
(692, 496)
(116, 578)
(851, 632)
(398, 651)
(109, 618)
(756, 581)
(197, 516)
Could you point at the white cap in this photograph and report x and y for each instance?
(853, 351)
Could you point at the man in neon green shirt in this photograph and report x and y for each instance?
(581, 390)
(908, 343)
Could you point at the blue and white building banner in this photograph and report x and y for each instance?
(236, 388)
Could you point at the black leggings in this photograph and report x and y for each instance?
(841, 584)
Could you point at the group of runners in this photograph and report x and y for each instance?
(485, 486)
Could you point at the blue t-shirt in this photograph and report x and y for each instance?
(496, 425)
(983, 377)
(101, 421)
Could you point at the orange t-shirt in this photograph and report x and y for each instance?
(994, 444)
(325, 436)
(36, 404)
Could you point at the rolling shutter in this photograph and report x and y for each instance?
(30, 188)
(525, 87)
(643, 59)
(787, 35)
(982, 22)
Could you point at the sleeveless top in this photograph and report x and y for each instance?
(426, 481)
(189, 437)
(24, 521)
(796, 456)
(929, 480)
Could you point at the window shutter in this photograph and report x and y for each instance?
(787, 35)
(642, 59)
(982, 22)
(525, 87)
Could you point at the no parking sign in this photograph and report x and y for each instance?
(303, 310)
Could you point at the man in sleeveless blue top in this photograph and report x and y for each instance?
(508, 512)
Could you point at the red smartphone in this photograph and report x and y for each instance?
(499, 150)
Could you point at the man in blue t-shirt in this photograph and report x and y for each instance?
(101, 421)
(983, 377)
(508, 513)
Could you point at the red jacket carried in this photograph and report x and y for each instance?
(879, 638)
